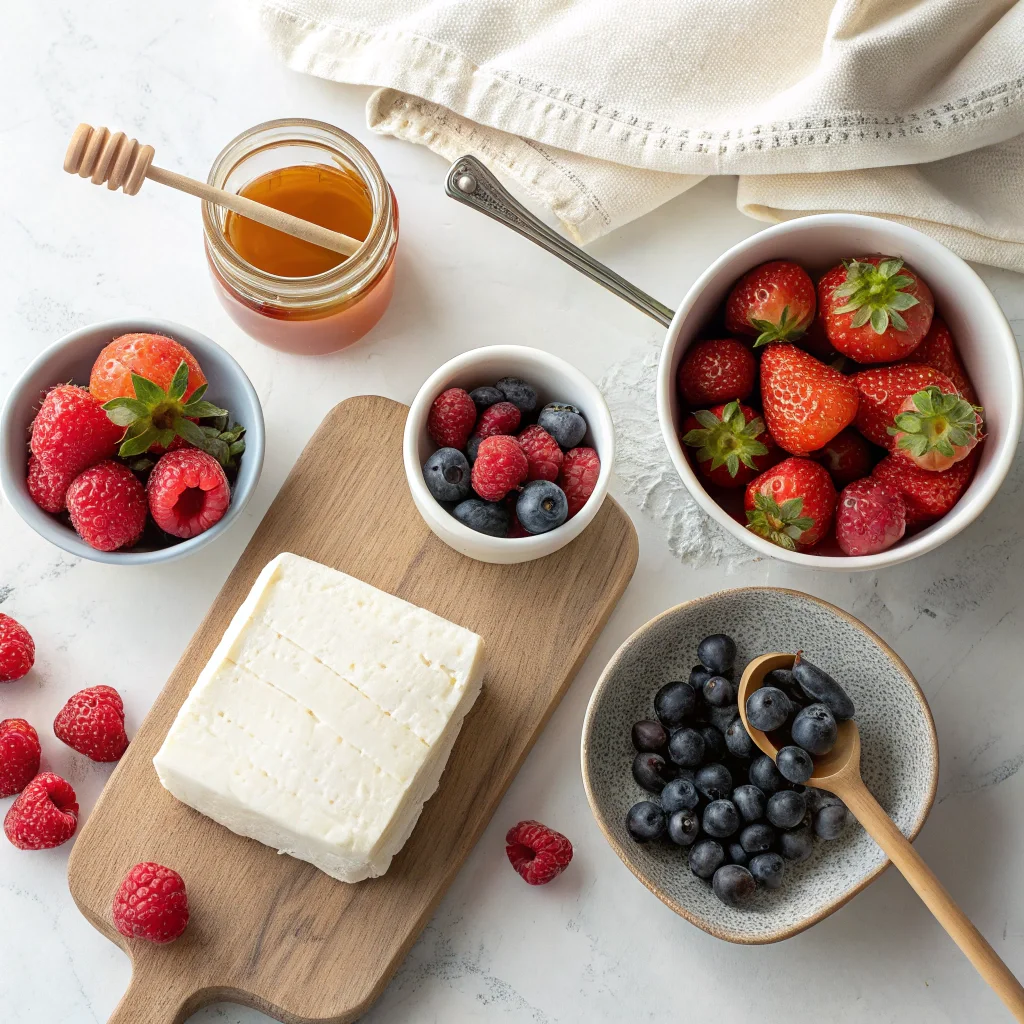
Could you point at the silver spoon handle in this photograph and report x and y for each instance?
(471, 183)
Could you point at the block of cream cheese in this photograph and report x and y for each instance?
(324, 719)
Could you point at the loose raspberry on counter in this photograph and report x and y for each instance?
(92, 722)
(502, 418)
(47, 487)
(19, 755)
(580, 469)
(17, 649)
(188, 492)
(500, 467)
(451, 418)
(151, 904)
(537, 852)
(44, 816)
(542, 453)
(107, 506)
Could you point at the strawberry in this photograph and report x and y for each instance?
(847, 457)
(718, 370)
(938, 351)
(875, 309)
(927, 495)
(806, 403)
(791, 504)
(884, 390)
(17, 649)
(933, 429)
(71, 432)
(92, 722)
(44, 816)
(151, 904)
(153, 356)
(871, 517)
(732, 444)
(772, 302)
(188, 492)
(19, 755)
(107, 505)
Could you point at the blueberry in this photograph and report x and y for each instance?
(541, 507)
(484, 398)
(721, 818)
(794, 764)
(814, 729)
(563, 422)
(673, 703)
(820, 686)
(717, 653)
(720, 692)
(471, 447)
(734, 885)
(768, 708)
(651, 771)
(699, 675)
(736, 854)
(679, 795)
(757, 838)
(830, 821)
(713, 781)
(518, 392)
(645, 821)
(768, 869)
(765, 775)
(649, 736)
(714, 741)
(686, 748)
(786, 809)
(818, 798)
(706, 857)
(797, 845)
(738, 740)
(750, 802)
(488, 517)
(446, 474)
(722, 718)
(683, 827)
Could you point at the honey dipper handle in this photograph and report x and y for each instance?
(882, 829)
(266, 215)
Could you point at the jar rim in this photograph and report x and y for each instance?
(333, 285)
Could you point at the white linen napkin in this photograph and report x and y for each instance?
(603, 109)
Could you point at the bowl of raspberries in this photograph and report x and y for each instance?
(841, 391)
(131, 441)
(508, 451)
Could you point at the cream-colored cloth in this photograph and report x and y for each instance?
(603, 109)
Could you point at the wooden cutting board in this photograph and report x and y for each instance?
(273, 932)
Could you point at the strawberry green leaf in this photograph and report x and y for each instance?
(875, 295)
(179, 382)
(880, 320)
(198, 393)
(139, 443)
(781, 525)
(147, 392)
(203, 410)
(188, 430)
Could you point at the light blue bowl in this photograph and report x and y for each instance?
(71, 359)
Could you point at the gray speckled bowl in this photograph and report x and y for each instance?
(900, 752)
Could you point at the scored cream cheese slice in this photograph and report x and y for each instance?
(324, 719)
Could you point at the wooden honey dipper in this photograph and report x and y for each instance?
(122, 163)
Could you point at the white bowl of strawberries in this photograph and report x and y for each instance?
(131, 442)
(841, 392)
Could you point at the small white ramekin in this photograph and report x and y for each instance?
(555, 380)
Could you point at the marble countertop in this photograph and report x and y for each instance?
(596, 945)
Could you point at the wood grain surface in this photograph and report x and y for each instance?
(273, 932)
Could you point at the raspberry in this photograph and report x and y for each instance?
(19, 755)
(500, 467)
(502, 418)
(108, 506)
(151, 904)
(451, 418)
(537, 852)
(47, 487)
(72, 432)
(17, 649)
(542, 453)
(870, 517)
(580, 469)
(92, 722)
(44, 816)
(188, 492)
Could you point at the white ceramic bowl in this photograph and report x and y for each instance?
(984, 338)
(555, 380)
(71, 359)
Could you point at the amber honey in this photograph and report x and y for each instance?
(329, 196)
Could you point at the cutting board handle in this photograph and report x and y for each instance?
(152, 999)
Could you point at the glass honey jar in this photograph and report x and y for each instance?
(287, 293)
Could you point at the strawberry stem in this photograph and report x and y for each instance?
(876, 295)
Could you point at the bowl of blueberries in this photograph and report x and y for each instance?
(729, 838)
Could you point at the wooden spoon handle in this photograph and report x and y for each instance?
(986, 961)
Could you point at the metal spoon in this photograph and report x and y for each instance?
(839, 773)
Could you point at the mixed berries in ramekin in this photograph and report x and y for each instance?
(830, 418)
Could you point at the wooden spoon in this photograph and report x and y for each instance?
(839, 773)
(122, 163)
